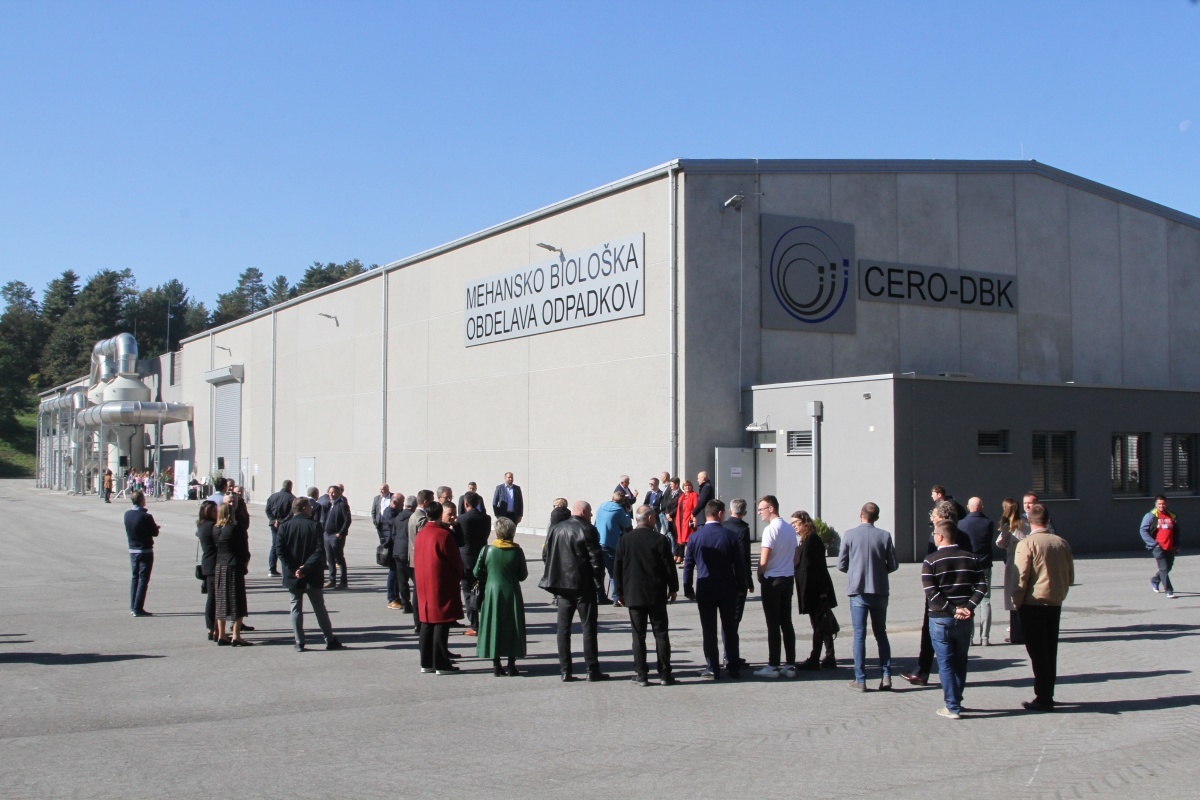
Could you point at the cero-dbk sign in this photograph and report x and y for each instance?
(936, 286)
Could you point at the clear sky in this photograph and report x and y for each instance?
(196, 139)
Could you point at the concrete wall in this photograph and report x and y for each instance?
(566, 411)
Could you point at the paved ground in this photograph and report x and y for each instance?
(97, 704)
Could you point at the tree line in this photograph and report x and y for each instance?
(44, 344)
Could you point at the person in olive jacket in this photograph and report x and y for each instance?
(302, 558)
(646, 580)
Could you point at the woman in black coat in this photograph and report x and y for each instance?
(814, 590)
(229, 573)
(208, 562)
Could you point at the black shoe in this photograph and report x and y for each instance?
(140, 614)
(275, 574)
(450, 670)
(513, 672)
(498, 670)
(596, 675)
(567, 677)
(1036, 705)
(246, 627)
(667, 680)
(641, 680)
(334, 645)
(241, 643)
(454, 656)
(811, 665)
(343, 585)
(735, 674)
(829, 663)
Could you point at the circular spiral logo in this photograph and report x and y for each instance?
(809, 275)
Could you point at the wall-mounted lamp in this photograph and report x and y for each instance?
(866, 395)
(549, 247)
(221, 347)
(336, 324)
(734, 202)
(758, 427)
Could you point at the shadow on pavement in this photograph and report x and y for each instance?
(1086, 677)
(1097, 707)
(1146, 632)
(68, 659)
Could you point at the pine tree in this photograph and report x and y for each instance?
(279, 291)
(59, 296)
(21, 327)
(99, 313)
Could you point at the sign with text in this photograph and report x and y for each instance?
(599, 284)
(936, 286)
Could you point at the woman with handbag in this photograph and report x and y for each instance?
(499, 571)
(207, 563)
(684, 519)
(814, 592)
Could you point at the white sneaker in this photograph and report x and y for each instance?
(1171, 596)
(787, 671)
(767, 672)
(947, 713)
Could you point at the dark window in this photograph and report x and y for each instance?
(176, 368)
(993, 442)
(1129, 463)
(799, 443)
(1054, 464)
(1178, 451)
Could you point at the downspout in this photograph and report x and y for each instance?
(673, 337)
(383, 398)
(274, 356)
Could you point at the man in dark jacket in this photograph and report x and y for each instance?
(337, 525)
(473, 526)
(714, 556)
(645, 582)
(378, 503)
(704, 493)
(279, 508)
(575, 575)
(140, 530)
(507, 500)
(736, 522)
(667, 506)
(302, 554)
(387, 537)
(978, 531)
(400, 564)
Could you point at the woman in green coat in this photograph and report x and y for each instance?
(500, 570)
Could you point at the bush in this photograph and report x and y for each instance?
(828, 535)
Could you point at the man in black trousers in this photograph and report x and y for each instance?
(714, 557)
(279, 508)
(646, 581)
(736, 522)
(474, 526)
(575, 576)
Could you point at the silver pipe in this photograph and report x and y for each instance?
(383, 415)
(114, 356)
(673, 370)
(274, 356)
(132, 412)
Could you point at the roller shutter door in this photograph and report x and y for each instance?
(227, 427)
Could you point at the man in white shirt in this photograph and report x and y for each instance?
(776, 577)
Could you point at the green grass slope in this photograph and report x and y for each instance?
(18, 447)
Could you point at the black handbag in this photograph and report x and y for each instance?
(383, 555)
(200, 572)
(827, 624)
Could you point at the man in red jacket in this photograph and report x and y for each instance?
(438, 569)
(1160, 532)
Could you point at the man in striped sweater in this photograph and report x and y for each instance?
(954, 585)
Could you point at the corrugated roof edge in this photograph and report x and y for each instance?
(717, 166)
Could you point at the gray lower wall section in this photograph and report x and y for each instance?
(913, 433)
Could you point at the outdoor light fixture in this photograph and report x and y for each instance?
(221, 347)
(549, 247)
(735, 202)
(336, 324)
(758, 427)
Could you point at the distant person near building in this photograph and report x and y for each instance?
(1160, 532)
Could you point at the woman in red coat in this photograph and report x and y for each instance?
(438, 569)
(684, 519)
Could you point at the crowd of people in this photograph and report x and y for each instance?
(452, 564)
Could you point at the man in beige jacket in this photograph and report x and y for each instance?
(1045, 571)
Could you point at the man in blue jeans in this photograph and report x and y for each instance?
(954, 585)
(867, 556)
(140, 530)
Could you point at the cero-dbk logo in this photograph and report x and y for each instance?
(808, 274)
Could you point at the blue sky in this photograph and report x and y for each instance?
(193, 140)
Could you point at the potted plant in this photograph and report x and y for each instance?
(829, 537)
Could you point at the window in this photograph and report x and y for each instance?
(993, 442)
(799, 443)
(1178, 451)
(176, 368)
(1054, 464)
(1129, 463)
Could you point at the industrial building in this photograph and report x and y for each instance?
(831, 332)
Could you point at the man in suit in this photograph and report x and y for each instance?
(473, 526)
(978, 530)
(507, 501)
(472, 488)
(645, 582)
(653, 498)
(336, 525)
(867, 556)
(704, 493)
(388, 515)
(415, 523)
(714, 557)
(302, 555)
(736, 522)
(279, 508)
(575, 576)
(628, 495)
(378, 503)
(140, 530)
(401, 565)
(667, 506)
